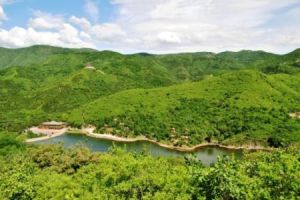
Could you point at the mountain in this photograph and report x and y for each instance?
(234, 107)
(229, 97)
(33, 55)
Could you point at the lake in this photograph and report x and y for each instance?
(208, 155)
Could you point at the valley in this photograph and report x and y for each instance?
(214, 105)
(231, 98)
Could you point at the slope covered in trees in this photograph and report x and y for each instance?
(230, 97)
(181, 99)
(243, 106)
(52, 172)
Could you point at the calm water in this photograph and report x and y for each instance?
(208, 155)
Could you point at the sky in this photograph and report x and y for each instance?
(154, 26)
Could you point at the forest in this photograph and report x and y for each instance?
(53, 172)
(236, 98)
(229, 98)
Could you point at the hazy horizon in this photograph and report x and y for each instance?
(141, 52)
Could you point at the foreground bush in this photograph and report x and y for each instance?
(51, 172)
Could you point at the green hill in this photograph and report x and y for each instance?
(233, 107)
(33, 55)
(229, 97)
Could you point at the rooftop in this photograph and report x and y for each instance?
(89, 66)
(53, 123)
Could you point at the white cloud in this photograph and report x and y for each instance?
(101, 32)
(107, 32)
(45, 28)
(42, 20)
(83, 23)
(20, 37)
(56, 30)
(169, 37)
(162, 26)
(203, 25)
(91, 8)
(2, 14)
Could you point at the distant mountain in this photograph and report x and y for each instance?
(33, 55)
(295, 52)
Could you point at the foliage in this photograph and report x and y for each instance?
(43, 172)
(262, 175)
(244, 106)
(10, 143)
(230, 97)
(60, 160)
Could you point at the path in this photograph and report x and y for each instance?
(49, 134)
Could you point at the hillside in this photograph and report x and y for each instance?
(229, 97)
(52, 172)
(233, 107)
(33, 55)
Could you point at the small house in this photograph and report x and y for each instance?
(53, 125)
(89, 66)
(295, 115)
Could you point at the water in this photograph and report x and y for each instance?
(208, 155)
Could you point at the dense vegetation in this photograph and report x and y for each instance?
(234, 107)
(184, 99)
(230, 97)
(52, 172)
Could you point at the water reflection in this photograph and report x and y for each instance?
(208, 155)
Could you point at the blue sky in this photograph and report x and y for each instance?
(20, 11)
(156, 26)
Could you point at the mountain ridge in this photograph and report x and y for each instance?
(95, 50)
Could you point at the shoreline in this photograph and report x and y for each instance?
(47, 137)
(171, 147)
(90, 133)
